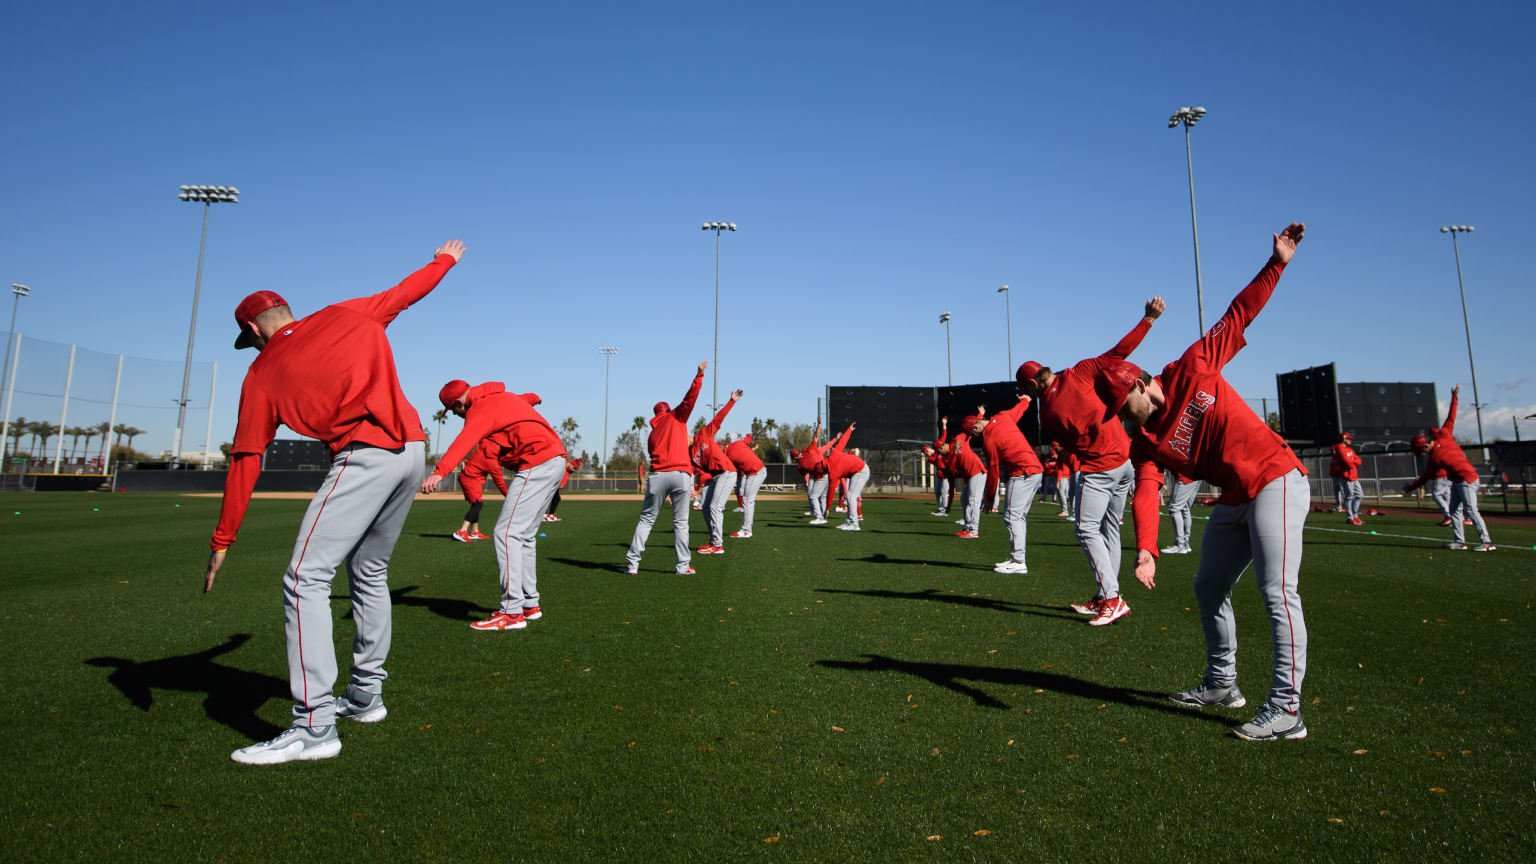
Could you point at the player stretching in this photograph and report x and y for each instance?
(1072, 414)
(709, 457)
(1442, 451)
(814, 468)
(841, 466)
(752, 472)
(480, 465)
(1009, 456)
(670, 479)
(1349, 472)
(943, 487)
(330, 376)
(1181, 498)
(1191, 421)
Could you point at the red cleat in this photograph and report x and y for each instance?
(1110, 611)
(462, 536)
(967, 535)
(500, 621)
(532, 613)
(1089, 608)
(1447, 522)
(708, 549)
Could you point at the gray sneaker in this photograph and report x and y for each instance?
(1272, 724)
(1210, 694)
(297, 743)
(371, 710)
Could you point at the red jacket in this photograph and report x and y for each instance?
(1071, 413)
(963, 461)
(705, 452)
(741, 454)
(1008, 452)
(571, 467)
(840, 464)
(811, 461)
(668, 443)
(523, 436)
(481, 464)
(1347, 460)
(1446, 455)
(1205, 430)
(329, 376)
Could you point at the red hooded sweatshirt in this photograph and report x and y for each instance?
(1446, 455)
(480, 465)
(840, 464)
(741, 454)
(1348, 461)
(1008, 452)
(668, 443)
(524, 438)
(706, 453)
(963, 461)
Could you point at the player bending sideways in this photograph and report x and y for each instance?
(844, 466)
(1444, 454)
(1011, 462)
(814, 468)
(1189, 420)
(709, 457)
(670, 479)
(330, 376)
(481, 464)
(751, 472)
(1070, 413)
(526, 443)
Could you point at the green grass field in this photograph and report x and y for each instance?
(811, 695)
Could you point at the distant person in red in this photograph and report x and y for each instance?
(531, 448)
(1013, 463)
(943, 485)
(709, 457)
(330, 376)
(571, 467)
(670, 477)
(1439, 487)
(752, 472)
(482, 463)
(1071, 413)
(971, 474)
(1190, 421)
(814, 467)
(842, 465)
(1443, 452)
(1349, 472)
(1340, 488)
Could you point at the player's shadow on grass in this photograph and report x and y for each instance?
(589, 565)
(951, 675)
(934, 595)
(234, 696)
(882, 558)
(436, 536)
(447, 607)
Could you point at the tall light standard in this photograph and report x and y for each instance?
(1188, 117)
(944, 319)
(1477, 403)
(717, 227)
(207, 196)
(20, 291)
(607, 351)
(1008, 316)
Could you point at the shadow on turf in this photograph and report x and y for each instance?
(448, 607)
(234, 696)
(949, 676)
(959, 600)
(882, 558)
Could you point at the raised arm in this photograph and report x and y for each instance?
(1450, 416)
(1225, 338)
(1013, 414)
(1151, 312)
(713, 428)
(685, 408)
(384, 306)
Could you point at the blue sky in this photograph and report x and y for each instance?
(885, 162)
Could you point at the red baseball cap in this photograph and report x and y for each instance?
(1027, 372)
(660, 408)
(969, 423)
(1346, 436)
(249, 308)
(1113, 384)
(1420, 443)
(452, 391)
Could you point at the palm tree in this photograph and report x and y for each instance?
(75, 433)
(639, 423)
(439, 417)
(132, 433)
(88, 432)
(103, 429)
(44, 430)
(568, 434)
(18, 430)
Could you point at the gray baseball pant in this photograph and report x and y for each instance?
(1440, 490)
(716, 493)
(355, 518)
(1181, 497)
(517, 532)
(1064, 493)
(1100, 504)
(941, 492)
(1021, 494)
(970, 499)
(816, 491)
(1074, 485)
(1353, 495)
(1464, 506)
(1267, 532)
(673, 485)
(856, 483)
(1340, 493)
(750, 483)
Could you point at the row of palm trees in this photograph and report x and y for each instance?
(42, 430)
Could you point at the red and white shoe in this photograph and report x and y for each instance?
(742, 533)
(1446, 522)
(1357, 521)
(708, 549)
(550, 517)
(500, 621)
(1466, 521)
(688, 572)
(967, 535)
(478, 536)
(462, 536)
(1089, 608)
(1110, 611)
(532, 613)
(1486, 547)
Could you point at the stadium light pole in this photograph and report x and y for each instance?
(207, 196)
(944, 319)
(20, 291)
(717, 227)
(1188, 117)
(607, 351)
(1008, 316)
(1477, 403)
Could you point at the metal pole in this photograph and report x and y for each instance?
(186, 372)
(947, 364)
(69, 378)
(1194, 228)
(10, 389)
(607, 359)
(213, 381)
(1008, 316)
(112, 420)
(5, 422)
(715, 386)
(1477, 402)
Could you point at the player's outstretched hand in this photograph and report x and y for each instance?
(1155, 308)
(430, 484)
(215, 561)
(1146, 569)
(702, 366)
(737, 394)
(1456, 391)
(1285, 241)
(452, 247)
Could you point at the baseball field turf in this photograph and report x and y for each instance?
(811, 695)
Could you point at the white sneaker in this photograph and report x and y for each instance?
(632, 570)
(959, 521)
(297, 743)
(1185, 550)
(1011, 567)
(738, 510)
(371, 710)
(848, 526)
(1172, 550)
(818, 521)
